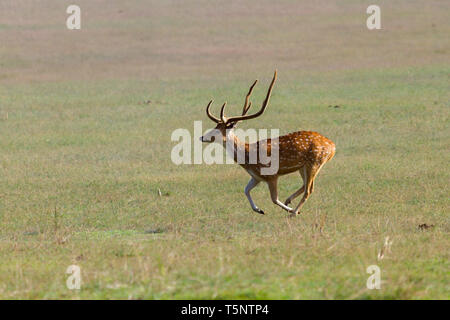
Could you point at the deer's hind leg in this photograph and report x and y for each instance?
(310, 174)
(299, 191)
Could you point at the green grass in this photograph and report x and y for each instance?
(82, 161)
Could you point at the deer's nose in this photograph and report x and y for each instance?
(211, 139)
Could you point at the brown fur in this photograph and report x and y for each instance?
(303, 151)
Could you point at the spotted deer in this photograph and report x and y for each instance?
(302, 151)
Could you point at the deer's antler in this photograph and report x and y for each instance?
(264, 105)
(209, 113)
(222, 112)
(247, 105)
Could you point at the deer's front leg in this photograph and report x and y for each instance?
(251, 184)
(274, 194)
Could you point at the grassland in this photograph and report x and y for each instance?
(85, 170)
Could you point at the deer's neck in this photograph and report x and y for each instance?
(238, 147)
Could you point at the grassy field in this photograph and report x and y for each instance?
(86, 176)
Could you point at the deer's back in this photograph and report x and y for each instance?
(299, 148)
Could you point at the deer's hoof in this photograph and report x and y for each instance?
(287, 202)
(259, 211)
(292, 215)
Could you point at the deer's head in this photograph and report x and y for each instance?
(224, 124)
